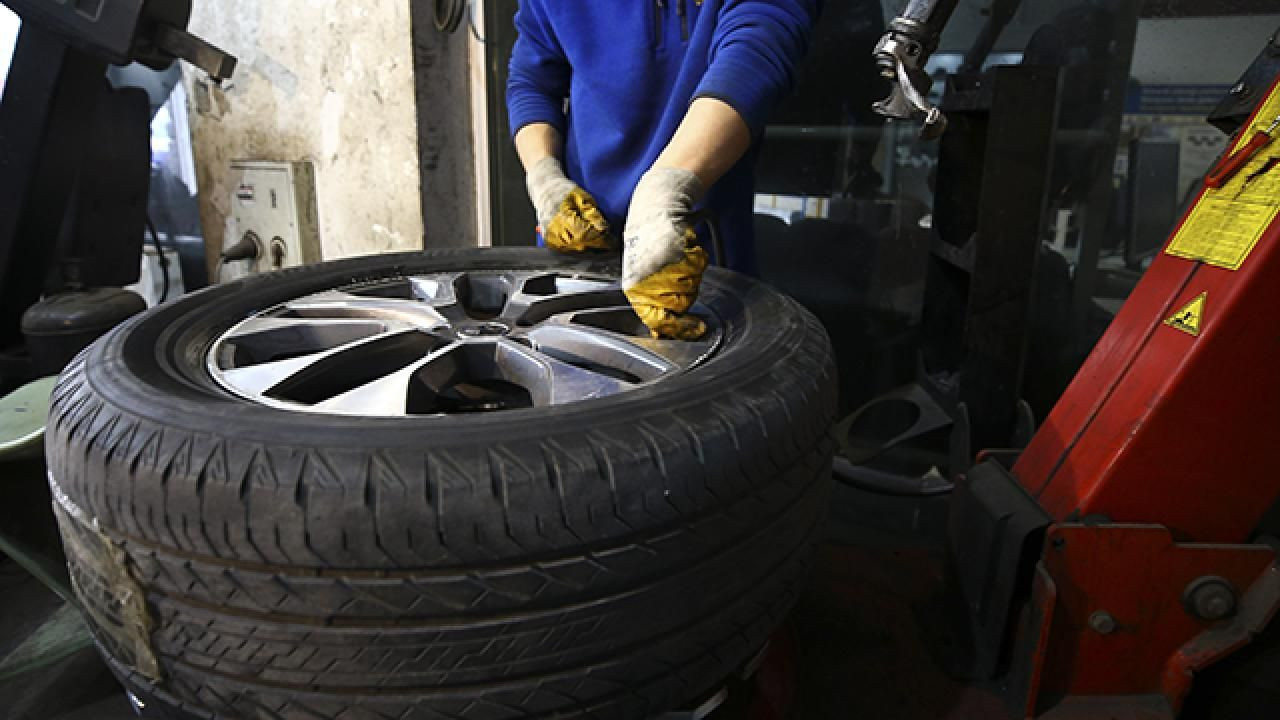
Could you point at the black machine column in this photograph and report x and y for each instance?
(54, 84)
(50, 92)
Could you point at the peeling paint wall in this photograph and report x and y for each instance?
(318, 80)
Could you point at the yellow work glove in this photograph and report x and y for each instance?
(661, 268)
(578, 226)
(570, 219)
(662, 300)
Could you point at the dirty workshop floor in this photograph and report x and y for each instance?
(860, 644)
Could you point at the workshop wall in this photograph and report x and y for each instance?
(1210, 50)
(318, 80)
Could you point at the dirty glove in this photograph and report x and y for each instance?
(570, 219)
(661, 267)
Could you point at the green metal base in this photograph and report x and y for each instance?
(58, 638)
(22, 417)
(26, 536)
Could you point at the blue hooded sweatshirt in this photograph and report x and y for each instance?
(616, 78)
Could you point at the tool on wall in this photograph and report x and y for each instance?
(449, 14)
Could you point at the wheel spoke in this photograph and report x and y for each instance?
(345, 305)
(264, 339)
(622, 325)
(581, 344)
(551, 381)
(315, 377)
(680, 353)
(543, 296)
(388, 395)
(440, 293)
(258, 379)
(257, 325)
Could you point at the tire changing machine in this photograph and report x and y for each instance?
(1124, 550)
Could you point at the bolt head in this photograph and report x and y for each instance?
(1240, 90)
(1217, 606)
(1102, 622)
(1212, 601)
(483, 329)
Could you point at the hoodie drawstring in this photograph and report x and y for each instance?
(681, 10)
(657, 22)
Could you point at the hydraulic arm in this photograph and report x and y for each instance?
(902, 55)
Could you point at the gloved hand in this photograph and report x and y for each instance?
(570, 219)
(661, 267)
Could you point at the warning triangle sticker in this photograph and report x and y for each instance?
(1189, 317)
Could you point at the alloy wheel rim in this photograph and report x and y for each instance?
(449, 343)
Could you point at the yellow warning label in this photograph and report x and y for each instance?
(1188, 318)
(1228, 222)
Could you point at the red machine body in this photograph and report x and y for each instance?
(1167, 427)
(1158, 462)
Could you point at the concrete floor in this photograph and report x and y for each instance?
(62, 678)
(865, 623)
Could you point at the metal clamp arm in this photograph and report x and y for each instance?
(902, 55)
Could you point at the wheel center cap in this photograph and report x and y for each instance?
(483, 329)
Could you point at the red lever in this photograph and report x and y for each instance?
(1230, 165)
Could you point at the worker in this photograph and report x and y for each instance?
(648, 110)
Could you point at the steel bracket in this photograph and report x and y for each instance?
(1108, 622)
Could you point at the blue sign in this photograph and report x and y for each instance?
(1174, 99)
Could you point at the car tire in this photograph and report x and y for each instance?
(615, 557)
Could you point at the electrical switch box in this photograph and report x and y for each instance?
(274, 208)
